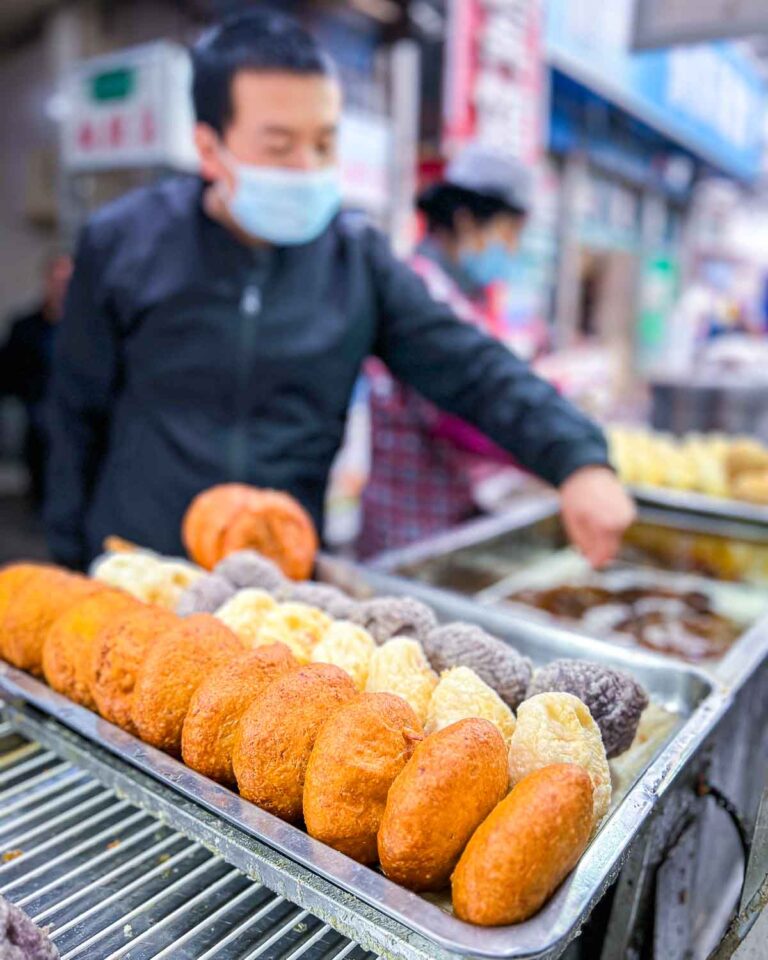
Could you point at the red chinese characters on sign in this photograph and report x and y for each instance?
(85, 136)
(495, 76)
(148, 127)
(116, 131)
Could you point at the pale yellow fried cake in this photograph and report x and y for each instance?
(461, 694)
(244, 613)
(297, 625)
(350, 647)
(400, 666)
(558, 728)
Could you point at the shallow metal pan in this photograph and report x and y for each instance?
(687, 501)
(510, 548)
(698, 702)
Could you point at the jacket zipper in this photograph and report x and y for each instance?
(250, 308)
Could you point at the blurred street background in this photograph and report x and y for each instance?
(644, 125)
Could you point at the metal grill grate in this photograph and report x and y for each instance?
(110, 881)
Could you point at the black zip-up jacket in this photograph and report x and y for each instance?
(186, 359)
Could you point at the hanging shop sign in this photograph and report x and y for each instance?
(129, 109)
(708, 98)
(663, 23)
(494, 86)
(133, 109)
(365, 148)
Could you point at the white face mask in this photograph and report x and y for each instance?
(281, 205)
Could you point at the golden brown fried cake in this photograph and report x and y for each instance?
(445, 791)
(524, 850)
(42, 597)
(220, 701)
(118, 652)
(357, 755)
(12, 578)
(172, 670)
(277, 733)
(68, 647)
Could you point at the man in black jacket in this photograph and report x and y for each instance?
(215, 326)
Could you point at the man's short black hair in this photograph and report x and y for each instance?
(256, 40)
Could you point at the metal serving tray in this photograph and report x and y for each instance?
(526, 545)
(687, 501)
(697, 701)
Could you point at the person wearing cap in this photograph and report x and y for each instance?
(426, 464)
(216, 325)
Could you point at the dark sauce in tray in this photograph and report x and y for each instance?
(667, 621)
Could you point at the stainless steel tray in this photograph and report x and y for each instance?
(687, 501)
(512, 547)
(698, 702)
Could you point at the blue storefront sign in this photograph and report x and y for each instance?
(708, 97)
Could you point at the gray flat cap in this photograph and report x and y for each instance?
(486, 171)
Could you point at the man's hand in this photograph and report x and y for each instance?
(596, 511)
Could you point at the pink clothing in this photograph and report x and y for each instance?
(423, 462)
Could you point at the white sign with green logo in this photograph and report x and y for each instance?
(130, 109)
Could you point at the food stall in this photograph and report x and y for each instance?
(121, 849)
(705, 551)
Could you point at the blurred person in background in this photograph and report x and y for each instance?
(216, 325)
(25, 366)
(425, 464)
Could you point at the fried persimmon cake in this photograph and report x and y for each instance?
(358, 754)
(219, 703)
(277, 733)
(173, 668)
(118, 652)
(41, 598)
(68, 647)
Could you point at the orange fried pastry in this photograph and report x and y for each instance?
(445, 791)
(357, 755)
(68, 646)
(276, 525)
(172, 670)
(277, 733)
(118, 652)
(207, 520)
(12, 578)
(42, 597)
(524, 850)
(232, 517)
(220, 701)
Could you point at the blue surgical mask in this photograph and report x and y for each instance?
(283, 206)
(486, 266)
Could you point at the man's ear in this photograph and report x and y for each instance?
(209, 151)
